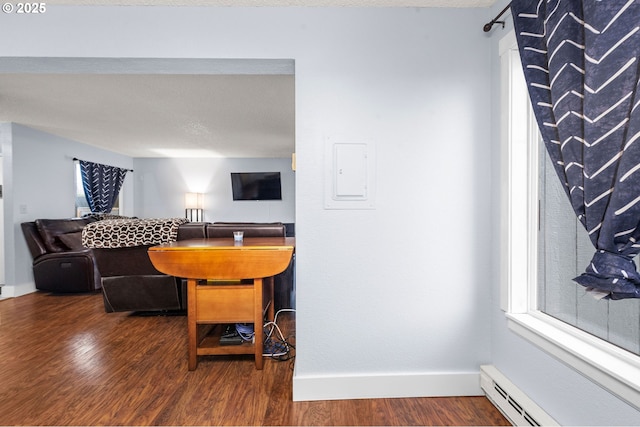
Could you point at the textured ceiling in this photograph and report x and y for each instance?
(156, 107)
(158, 115)
(183, 114)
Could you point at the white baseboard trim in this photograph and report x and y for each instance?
(17, 290)
(307, 388)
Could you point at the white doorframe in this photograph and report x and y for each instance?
(2, 278)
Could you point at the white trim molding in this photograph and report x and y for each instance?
(443, 384)
(613, 368)
(13, 291)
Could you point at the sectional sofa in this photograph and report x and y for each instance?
(111, 257)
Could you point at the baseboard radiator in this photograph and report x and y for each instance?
(513, 403)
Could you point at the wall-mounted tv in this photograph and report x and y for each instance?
(256, 186)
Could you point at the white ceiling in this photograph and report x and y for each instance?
(158, 115)
(235, 113)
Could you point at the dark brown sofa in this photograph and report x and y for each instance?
(128, 280)
(61, 264)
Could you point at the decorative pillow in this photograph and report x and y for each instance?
(73, 241)
(50, 229)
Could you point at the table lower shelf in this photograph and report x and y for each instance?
(209, 343)
(224, 303)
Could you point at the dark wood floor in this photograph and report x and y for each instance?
(64, 361)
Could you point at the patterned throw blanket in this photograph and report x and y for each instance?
(120, 233)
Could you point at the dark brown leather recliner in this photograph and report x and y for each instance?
(60, 262)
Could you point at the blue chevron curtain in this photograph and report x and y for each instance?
(101, 184)
(581, 65)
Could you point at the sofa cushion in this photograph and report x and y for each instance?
(51, 229)
(192, 230)
(73, 241)
(251, 229)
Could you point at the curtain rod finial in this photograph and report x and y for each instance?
(487, 27)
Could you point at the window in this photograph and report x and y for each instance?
(82, 207)
(564, 250)
(538, 308)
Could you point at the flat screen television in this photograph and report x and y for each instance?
(256, 186)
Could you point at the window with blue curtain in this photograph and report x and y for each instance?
(580, 60)
(101, 184)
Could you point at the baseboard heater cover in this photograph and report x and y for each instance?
(516, 406)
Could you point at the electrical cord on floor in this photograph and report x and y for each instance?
(276, 345)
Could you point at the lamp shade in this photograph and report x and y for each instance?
(193, 200)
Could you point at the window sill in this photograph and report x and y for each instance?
(611, 367)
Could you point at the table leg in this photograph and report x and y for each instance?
(192, 324)
(270, 291)
(258, 324)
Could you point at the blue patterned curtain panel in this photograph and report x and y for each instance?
(581, 62)
(101, 184)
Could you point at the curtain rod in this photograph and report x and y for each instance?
(487, 27)
(75, 159)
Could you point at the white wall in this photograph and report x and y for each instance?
(40, 183)
(392, 301)
(160, 185)
(566, 395)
